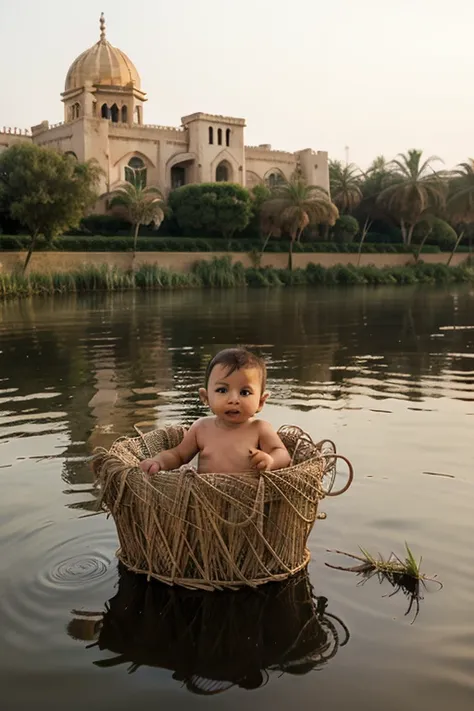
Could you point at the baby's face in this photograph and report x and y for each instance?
(237, 396)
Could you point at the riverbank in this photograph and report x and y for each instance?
(223, 273)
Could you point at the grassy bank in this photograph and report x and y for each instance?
(222, 273)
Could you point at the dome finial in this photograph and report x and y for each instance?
(102, 27)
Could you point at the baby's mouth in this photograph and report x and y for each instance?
(232, 412)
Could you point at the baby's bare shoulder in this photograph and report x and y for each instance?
(264, 427)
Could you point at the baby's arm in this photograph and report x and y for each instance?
(272, 453)
(174, 458)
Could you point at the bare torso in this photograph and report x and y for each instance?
(225, 448)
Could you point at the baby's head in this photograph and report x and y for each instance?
(235, 385)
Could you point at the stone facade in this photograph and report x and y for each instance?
(103, 119)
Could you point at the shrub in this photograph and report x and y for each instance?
(222, 208)
(345, 228)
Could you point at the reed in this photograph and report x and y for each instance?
(222, 273)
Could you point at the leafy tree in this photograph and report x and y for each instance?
(345, 181)
(46, 191)
(141, 204)
(345, 228)
(224, 208)
(434, 229)
(460, 204)
(295, 205)
(414, 191)
(373, 182)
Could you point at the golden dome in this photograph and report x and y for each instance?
(103, 65)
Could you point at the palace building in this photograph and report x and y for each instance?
(104, 118)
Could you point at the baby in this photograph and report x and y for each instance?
(232, 440)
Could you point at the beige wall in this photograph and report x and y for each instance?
(260, 161)
(7, 138)
(210, 155)
(65, 261)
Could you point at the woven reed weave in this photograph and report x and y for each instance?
(213, 531)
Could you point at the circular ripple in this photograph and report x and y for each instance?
(78, 570)
(41, 590)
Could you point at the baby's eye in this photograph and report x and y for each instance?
(245, 392)
(221, 390)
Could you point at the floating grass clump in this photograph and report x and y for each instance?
(221, 272)
(404, 575)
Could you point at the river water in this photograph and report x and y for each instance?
(388, 374)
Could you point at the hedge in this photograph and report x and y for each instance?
(99, 243)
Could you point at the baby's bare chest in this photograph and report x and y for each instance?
(228, 445)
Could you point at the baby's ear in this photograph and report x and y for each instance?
(263, 400)
(203, 396)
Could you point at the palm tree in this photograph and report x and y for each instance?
(296, 205)
(379, 165)
(142, 205)
(377, 178)
(416, 190)
(344, 180)
(460, 205)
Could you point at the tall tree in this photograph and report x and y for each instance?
(297, 205)
(142, 204)
(415, 189)
(460, 204)
(46, 191)
(345, 184)
(377, 178)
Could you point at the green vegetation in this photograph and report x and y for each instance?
(294, 205)
(405, 204)
(215, 208)
(45, 191)
(140, 204)
(100, 243)
(220, 272)
(403, 574)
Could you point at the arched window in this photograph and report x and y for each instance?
(222, 172)
(71, 154)
(219, 136)
(178, 176)
(124, 114)
(211, 135)
(227, 137)
(114, 113)
(274, 179)
(75, 111)
(138, 115)
(104, 112)
(135, 171)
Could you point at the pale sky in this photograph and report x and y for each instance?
(380, 76)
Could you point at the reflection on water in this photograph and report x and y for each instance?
(211, 642)
(388, 374)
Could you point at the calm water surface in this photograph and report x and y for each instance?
(388, 374)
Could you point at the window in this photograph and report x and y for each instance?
(104, 112)
(124, 114)
(219, 136)
(222, 172)
(227, 137)
(274, 179)
(178, 176)
(138, 115)
(135, 172)
(211, 135)
(114, 113)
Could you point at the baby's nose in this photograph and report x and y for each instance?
(233, 396)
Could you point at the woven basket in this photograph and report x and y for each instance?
(214, 531)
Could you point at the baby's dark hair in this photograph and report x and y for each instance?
(236, 358)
